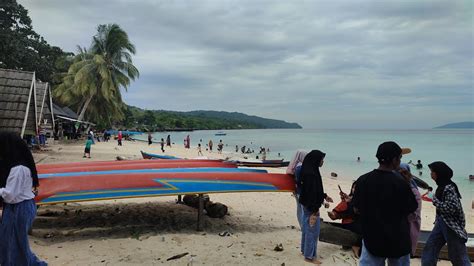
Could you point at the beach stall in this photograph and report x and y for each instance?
(18, 109)
(66, 123)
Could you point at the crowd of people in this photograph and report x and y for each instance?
(383, 209)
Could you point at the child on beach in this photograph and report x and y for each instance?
(162, 144)
(450, 221)
(220, 146)
(199, 150)
(18, 179)
(87, 150)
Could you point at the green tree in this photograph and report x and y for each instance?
(21, 47)
(94, 80)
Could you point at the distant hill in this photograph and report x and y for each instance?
(157, 120)
(235, 116)
(458, 125)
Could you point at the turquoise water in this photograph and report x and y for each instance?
(455, 147)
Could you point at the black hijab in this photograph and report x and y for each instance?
(443, 178)
(13, 152)
(312, 191)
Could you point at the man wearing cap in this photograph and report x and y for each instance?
(384, 201)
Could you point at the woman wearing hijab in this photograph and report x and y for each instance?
(294, 168)
(18, 180)
(312, 197)
(450, 221)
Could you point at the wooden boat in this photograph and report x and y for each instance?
(264, 163)
(114, 162)
(152, 164)
(332, 234)
(56, 190)
(146, 155)
(443, 254)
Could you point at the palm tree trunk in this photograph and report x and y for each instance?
(84, 108)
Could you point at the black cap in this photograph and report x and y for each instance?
(387, 151)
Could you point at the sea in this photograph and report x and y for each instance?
(342, 147)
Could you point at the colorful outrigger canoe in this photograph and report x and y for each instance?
(92, 187)
(105, 180)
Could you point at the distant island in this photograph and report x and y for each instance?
(459, 125)
(162, 120)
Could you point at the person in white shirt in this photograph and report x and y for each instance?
(18, 183)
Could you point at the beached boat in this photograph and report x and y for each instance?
(264, 163)
(122, 162)
(146, 155)
(220, 133)
(150, 164)
(92, 187)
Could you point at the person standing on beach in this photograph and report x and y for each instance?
(119, 138)
(150, 139)
(384, 201)
(162, 144)
(311, 198)
(87, 149)
(450, 221)
(210, 145)
(294, 169)
(220, 147)
(199, 150)
(188, 142)
(168, 141)
(18, 184)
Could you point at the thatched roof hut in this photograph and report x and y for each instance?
(44, 103)
(17, 102)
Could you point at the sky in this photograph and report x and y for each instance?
(322, 64)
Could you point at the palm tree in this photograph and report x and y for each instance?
(97, 74)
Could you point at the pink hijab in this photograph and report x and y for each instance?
(297, 159)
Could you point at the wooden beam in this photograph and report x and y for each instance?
(200, 212)
(32, 87)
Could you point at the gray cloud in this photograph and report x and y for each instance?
(377, 64)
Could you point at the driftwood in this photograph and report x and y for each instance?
(213, 209)
(332, 234)
(193, 200)
(216, 209)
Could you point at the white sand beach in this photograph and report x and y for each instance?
(148, 231)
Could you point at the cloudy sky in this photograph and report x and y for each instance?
(323, 64)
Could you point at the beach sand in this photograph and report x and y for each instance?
(148, 231)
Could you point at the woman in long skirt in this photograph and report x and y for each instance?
(18, 181)
(312, 197)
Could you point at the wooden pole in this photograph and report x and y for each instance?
(200, 211)
(179, 199)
